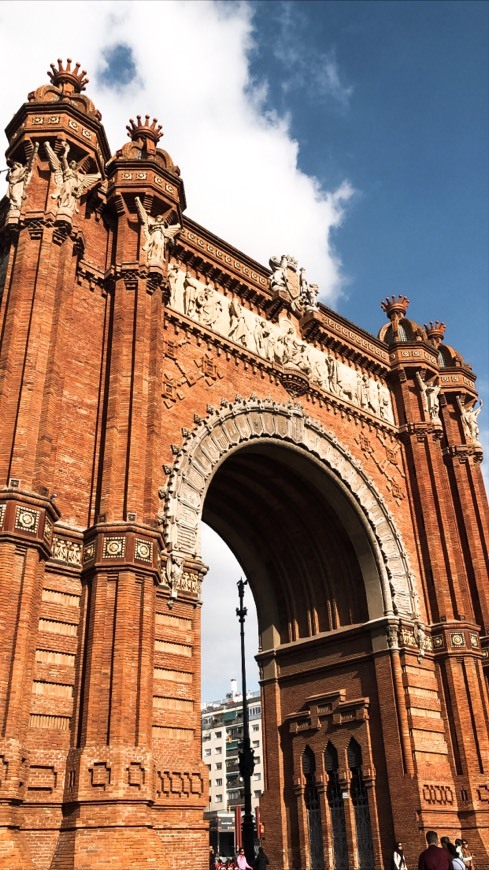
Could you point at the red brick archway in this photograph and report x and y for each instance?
(152, 376)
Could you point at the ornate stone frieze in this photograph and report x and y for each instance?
(299, 363)
(66, 551)
(239, 422)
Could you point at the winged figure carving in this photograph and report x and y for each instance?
(70, 182)
(156, 233)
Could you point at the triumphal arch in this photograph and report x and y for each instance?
(152, 376)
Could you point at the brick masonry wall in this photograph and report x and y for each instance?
(108, 391)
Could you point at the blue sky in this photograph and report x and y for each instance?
(353, 135)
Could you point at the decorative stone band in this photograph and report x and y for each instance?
(456, 638)
(239, 422)
(28, 516)
(118, 545)
(332, 706)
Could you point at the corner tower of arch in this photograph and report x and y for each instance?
(152, 376)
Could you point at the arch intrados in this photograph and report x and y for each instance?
(235, 425)
(326, 495)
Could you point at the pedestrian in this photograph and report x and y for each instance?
(242, 862)
(467, 855)
(457, 863)
(212, 858)
(261, 860)
(398, 860)
(434, 857)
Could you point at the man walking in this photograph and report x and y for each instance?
(434, 857)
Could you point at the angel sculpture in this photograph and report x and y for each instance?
(156, 232)
(431, 402)
(18, 177)
(70, 182)
(469, 420)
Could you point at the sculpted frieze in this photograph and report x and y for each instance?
(276, 343)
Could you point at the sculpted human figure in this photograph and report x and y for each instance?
(430, 393)
(334, 384)
(174, 573)
(469, 417)
(278, 280)
(238, 329)
(18, 177)
(156, 232)
(264, 340)
(308, 292)
(69, 181)
(191, 287)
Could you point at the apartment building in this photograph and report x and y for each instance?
(222, 732)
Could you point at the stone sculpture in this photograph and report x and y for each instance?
(18, 177)
(70, 182)
(156, 233)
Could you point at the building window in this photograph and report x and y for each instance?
(218, 733)
(207, 751)
(219, 765)
(218, 798)
(255, 727)
(313, 811)
(336, 809)
(218, 750)
(218, 782)
(359, 799)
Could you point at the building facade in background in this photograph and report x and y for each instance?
(222, 733)
(153, 376)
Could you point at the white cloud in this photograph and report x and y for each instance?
(238, 160)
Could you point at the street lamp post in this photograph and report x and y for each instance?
(246, 759)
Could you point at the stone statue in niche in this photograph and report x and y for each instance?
(430, 394)
(469, 417)
(70, 182)
(18, 177)
(157, 234)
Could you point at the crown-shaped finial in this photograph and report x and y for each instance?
(395, 307)
(69, 80)
(435, 331)
(153, 131)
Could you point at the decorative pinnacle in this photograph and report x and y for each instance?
(69, 80)
(395, 307)
(146, 130)
(435, 331)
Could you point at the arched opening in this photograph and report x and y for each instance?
(299, 539)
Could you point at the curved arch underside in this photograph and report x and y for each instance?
(280, 516)
(319, 546)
